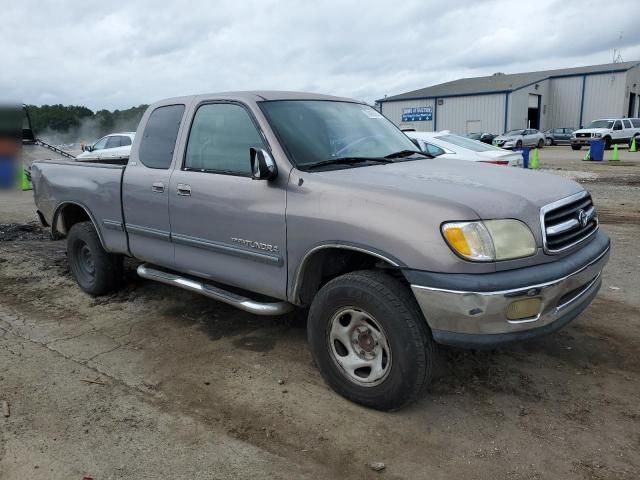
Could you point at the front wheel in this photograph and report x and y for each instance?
(576, 147)
(96, 271)
(548, 142)
(540, 143)
(370, 341)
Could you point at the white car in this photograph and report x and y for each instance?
(114, 147)
(447, 145)
(520, 137)
(611, 130)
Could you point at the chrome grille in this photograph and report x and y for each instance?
(583, 134)
(567, 222)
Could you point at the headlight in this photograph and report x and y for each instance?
(490, 240)
(597, 135)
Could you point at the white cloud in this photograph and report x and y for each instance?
(110, 55)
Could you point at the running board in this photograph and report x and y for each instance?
(238, 301)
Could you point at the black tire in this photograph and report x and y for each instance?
(410, 361)
(541, 143)
(94, 269)
(519, 145)
(607, 143)
(548, 142)
(576, 147)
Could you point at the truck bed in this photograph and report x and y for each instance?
(95, 187)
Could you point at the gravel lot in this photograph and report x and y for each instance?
(154, 382)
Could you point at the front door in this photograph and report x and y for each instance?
(225, 226)
(145, 193)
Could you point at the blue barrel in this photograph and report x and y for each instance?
(8, 172)
(525, 157)
(596, 150)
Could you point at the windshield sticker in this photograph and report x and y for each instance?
(371, 113)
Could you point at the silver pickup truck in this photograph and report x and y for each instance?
(275, 200)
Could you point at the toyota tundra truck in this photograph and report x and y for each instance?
(271, 201)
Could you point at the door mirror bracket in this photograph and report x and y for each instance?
(263, 167)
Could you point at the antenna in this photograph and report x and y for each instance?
(617, 54)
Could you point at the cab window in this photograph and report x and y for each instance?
(617, 125)
(113, 142)
(220, 139)
(159, 137)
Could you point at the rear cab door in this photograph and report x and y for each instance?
(145, 190)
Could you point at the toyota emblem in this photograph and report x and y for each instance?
(583, 218)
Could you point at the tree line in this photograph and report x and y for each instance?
(74, 123)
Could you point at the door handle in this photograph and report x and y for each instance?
(184, 189)
(157, 187)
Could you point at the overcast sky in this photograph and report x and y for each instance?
(119, 54)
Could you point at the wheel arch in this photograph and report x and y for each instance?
(67, 214)
(326, 261)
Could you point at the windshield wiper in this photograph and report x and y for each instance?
(407, 153)
(346, 161)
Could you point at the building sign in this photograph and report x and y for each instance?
(417, 114)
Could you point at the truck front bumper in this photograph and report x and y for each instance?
(472, 310)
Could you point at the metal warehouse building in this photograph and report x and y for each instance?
(570, 97)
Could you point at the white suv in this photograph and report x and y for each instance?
(611, 130)
(115, 147)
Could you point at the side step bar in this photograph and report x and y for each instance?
(238, 301)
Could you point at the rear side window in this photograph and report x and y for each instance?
(125, 141)
(159, 136)
(627, 124)
(635, 122)
(113, 142)
(220, 138)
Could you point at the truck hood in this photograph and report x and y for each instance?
(489, 190)
(592, 130)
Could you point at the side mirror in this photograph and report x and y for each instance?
(263, 167)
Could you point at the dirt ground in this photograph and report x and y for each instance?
(155, 382)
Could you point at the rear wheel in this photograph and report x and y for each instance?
(548, 141)
(370, 341)
(96, 271)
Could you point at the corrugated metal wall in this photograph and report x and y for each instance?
(604, 97)
(565, 95)
(633, 86)
(393, 111)
(458, 114)
(519, 106)
(484, 113)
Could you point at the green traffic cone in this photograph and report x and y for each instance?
(535, 159)
(633, 145)
(586, 157)
(615, 157)
(25, 182)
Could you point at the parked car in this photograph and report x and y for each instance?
(114, 147)
(557, 136)
(273, 200)
(482, 137)
(518, 138)
(611, 130)
(448, 145)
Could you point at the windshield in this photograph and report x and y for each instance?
(514, 132)
(317, 130)
(601, 124)
(467, 143)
